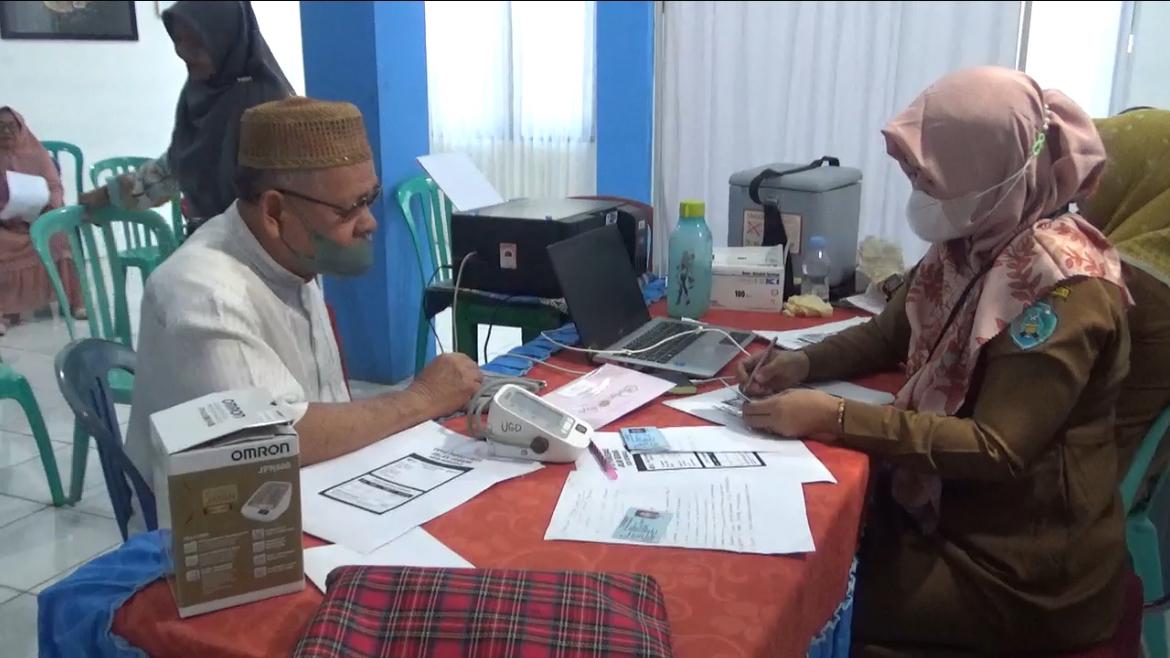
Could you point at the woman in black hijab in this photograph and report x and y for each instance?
(229, 69)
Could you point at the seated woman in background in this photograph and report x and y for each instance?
(229, 69)
(24, 284)
(1132, 208)
(995, 525)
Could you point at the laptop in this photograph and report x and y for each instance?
(601, 289)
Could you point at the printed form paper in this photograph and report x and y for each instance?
(724, 406)
(417, 548)
(607, 394)
(794, 339)
(367, 498)
(709, 450)
(724, 513)
(27, 196)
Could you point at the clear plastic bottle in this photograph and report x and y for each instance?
(688, 284)
(815, 268)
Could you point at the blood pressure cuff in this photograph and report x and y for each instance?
(412, 611)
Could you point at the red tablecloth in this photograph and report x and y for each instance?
(720, 604)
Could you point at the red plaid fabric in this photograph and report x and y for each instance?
(435, 613)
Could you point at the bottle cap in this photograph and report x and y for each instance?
(691, 209)
(817, 242)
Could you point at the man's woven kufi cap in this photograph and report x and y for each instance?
(302, 133)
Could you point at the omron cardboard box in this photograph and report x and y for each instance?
(748, 278)
(227, 484)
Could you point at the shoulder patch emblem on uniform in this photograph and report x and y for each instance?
(1034, 326)
(1060, 292)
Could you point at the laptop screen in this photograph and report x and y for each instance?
(599, 285)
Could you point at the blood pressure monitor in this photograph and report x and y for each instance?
(522, 425)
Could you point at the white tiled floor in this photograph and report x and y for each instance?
(41, 544)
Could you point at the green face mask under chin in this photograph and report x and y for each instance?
(333, 259)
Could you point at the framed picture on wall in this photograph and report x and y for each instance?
(104, 20)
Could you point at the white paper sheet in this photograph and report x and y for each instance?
(728, 513)
(716, 406)
(709, 450)
(607, 394)
(417, 548)
(794, 339)
(27, 196)
(461, 181)
(712, 407)
(870, 301)
(367, 498)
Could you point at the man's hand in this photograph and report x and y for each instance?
(782, 371)
(98, 197)
(797, 413)
(447, 383)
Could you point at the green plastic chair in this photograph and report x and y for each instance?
(13, 386)
(140, 250)
(437, 236)
(1142, 537)
(56, 149)
(431, 235)
(105, 320)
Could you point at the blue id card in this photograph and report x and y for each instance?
(643, 439)
(643, 525)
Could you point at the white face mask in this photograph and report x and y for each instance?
(937, 221)
(940, 221)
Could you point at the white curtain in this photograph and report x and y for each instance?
(511, 84)
(744, 84)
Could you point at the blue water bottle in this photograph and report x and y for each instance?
(688, 283)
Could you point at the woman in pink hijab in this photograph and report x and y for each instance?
(995, 525)
(24, 284)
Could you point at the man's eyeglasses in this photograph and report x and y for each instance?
(364, 201)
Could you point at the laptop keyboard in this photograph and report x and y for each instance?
(670, 349)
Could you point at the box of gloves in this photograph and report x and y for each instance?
(227, 489)
(748, 278)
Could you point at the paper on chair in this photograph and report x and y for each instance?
(707, 450)
(27, 196)
(367, 498)
(607, 394)
(417, 548)
(728, 513)
(795, 339)
(461, 181)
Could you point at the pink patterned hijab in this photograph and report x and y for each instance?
(966, 133)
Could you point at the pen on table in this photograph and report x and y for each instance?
(605, 464)
(752, 376)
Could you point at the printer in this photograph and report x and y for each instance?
(510, 240)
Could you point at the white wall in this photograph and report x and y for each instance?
(1149, 74)
(1072, 46)
(280, 23)
(118, 97)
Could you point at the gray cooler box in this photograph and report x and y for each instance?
(823, 201)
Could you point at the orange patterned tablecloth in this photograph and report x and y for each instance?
(720, 604)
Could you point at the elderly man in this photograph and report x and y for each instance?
(238, 304)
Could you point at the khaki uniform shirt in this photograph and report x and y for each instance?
(1029, 547)
(1146, 391)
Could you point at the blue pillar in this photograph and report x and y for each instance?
(373, 54)
(625, 98)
